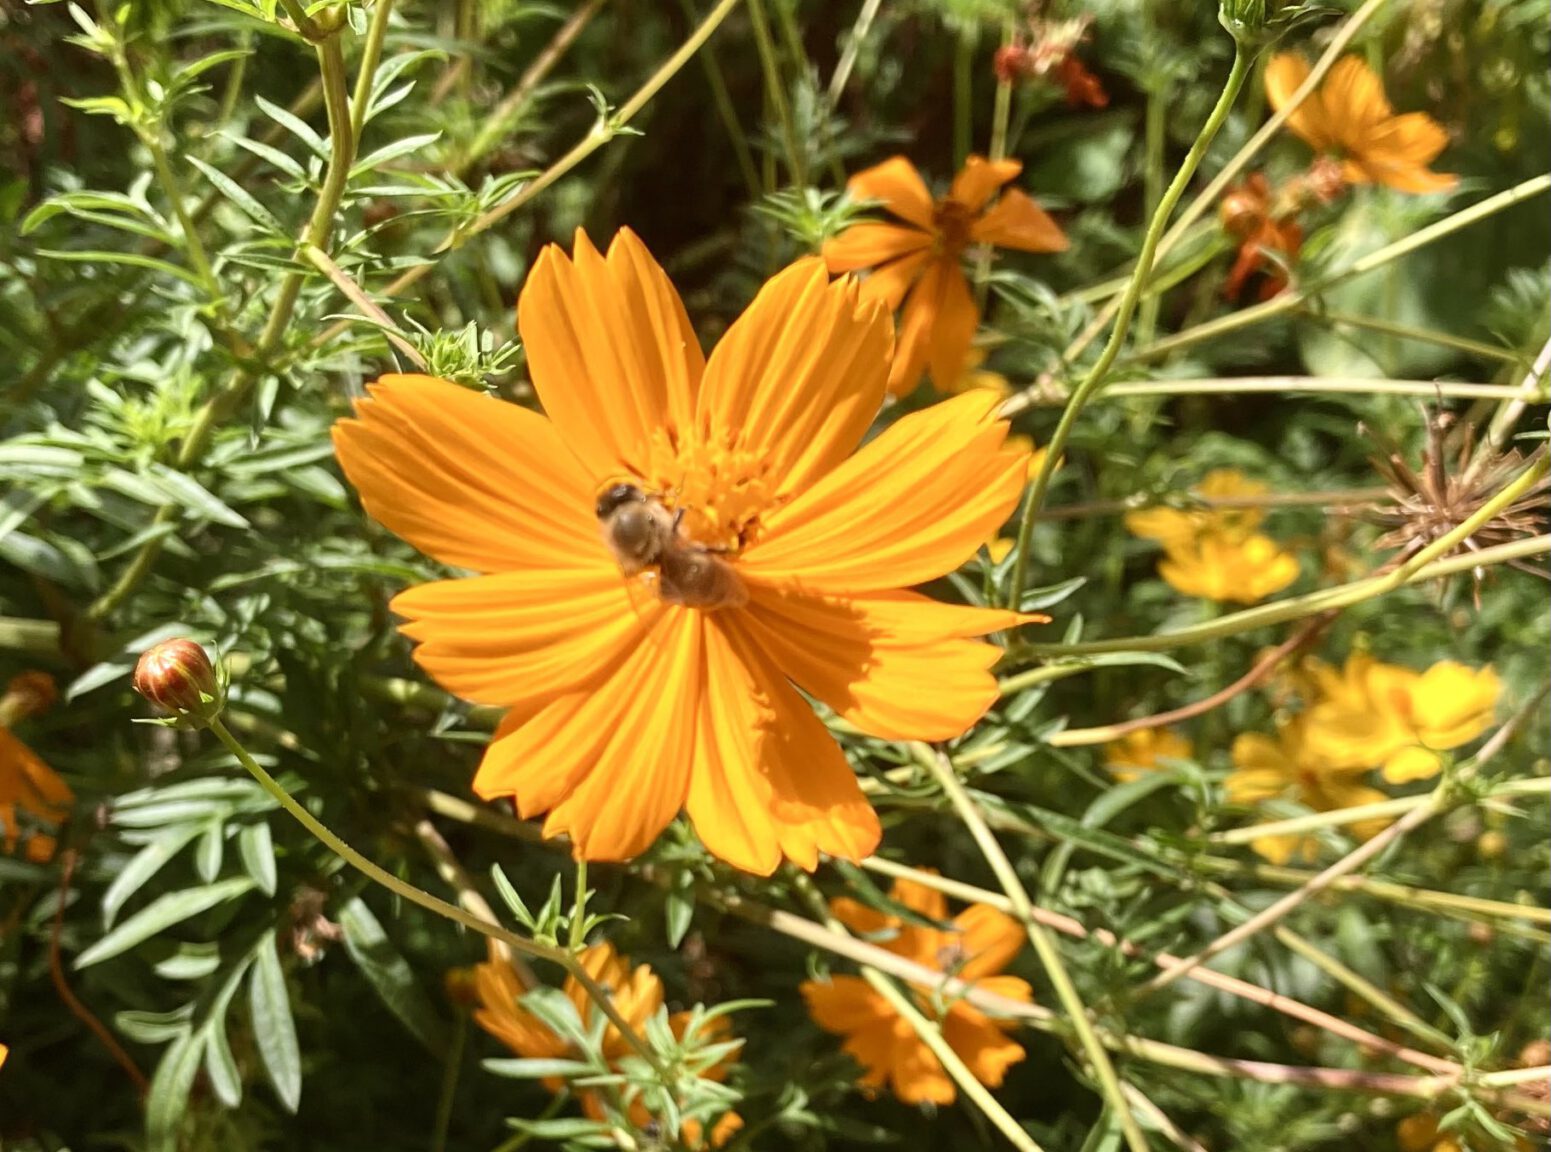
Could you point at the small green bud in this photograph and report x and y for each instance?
(1245, 21)
(177, 676)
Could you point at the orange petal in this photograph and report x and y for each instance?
(1353, 100)
(889, 282)
(914, 346)
(912, 505)
(863, 919)
(799, 377)
(1285, 74)
(844, 1004)
(990, 938)
(984, 1047)
(869, 244)
(1015, 221)
(953, 330)
(1397, 154)
(898, 666)
(897, 183)
(769, 780)
(474, 482)
(916, 1075)
(920, 899)
(609, 761)
(519, 637)
(979, 179)
(610, 349)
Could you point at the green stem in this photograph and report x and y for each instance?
(864, 19)
(1298, 607)
(371, 56)
(231, 394)
(963, 94)
(775, 86)
(1421, 335)
(1044, 944)
(450, 1073)
(578, 936)
(1144, 264)
(403, 889)
(1156, 138)
(727, 113)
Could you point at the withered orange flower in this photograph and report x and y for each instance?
(33, 800)
(980, 943)
(680, 546)
(918, 262)
(1249, 216)
(1350, 116)
(636, 993)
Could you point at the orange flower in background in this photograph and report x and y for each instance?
(636, 993)
(755, 550)
(34, 800)
(1244, 570)
(1145, 750)
(980, 943)
(1349, 116)
(918, 262)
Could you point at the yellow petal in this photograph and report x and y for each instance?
(897, 183)
(1414, 763)
(610, 350)
(520, 637)
(869, 244)
(979, 179)
(1353, 100)
(912, 505)
(799, 377)
(474, 482)
(898, 666)
(916, 324)
(1285, 74)
(1015, 221)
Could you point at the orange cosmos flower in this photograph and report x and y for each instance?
(918, 262)
(636, 993)
(1349, 115)
(765, 557)
(1248, 216)
(980, 944)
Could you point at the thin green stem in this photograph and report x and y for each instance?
(407, 891)
(1157, 136)
(963, 93)
(1044, 944)
(371, 56)
(864, 19)
(1420, 335)
(449, 1091)
(1095, 379)
(775, 87)
(578, 936)
(1298, 607)
(728, 114)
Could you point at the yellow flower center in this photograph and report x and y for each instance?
(720, 487)
(952, 222)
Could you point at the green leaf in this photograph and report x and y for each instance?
(257, 847)
(274, 1030)
(295, 125)
(538, 1069)
(392, 151)
(389, 973)
(167, 1102)
(679, 908)
(239, 196)
(211, 851)
(145, 864)
(161, 913)
(133, 259)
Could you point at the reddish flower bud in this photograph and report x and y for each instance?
(177, 676)
(1010, 63)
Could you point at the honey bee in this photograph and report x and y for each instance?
(644, 537)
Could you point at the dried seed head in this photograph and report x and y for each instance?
(177, 676)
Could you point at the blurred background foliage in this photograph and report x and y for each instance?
(272, 982)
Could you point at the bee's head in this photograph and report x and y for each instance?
(617, 495)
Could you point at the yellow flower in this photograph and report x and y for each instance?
(1350, 116)
(1419, 1133)
(918, 262)
(765, 553)
(33, 801)
(1144, 749)
(974, 376)
(981, 942)
(1036, 455)
(637, 995)
(1242, 569)
(1376, 715)
(1000, 548)
(1266, 768)
(1177, 527)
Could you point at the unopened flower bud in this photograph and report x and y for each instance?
(177, 676)
(1245, 21)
